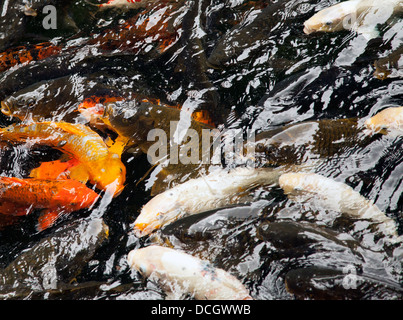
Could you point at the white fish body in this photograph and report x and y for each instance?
(179, 273)
(388, 121)
(336, 196)
(361, 16)
(215, 190)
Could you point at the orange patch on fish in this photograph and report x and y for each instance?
(20, 55)
(22, 196)
(54, 170)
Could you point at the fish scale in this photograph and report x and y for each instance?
(74, 139)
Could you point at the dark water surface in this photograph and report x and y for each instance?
(251, 65)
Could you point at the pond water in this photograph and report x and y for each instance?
(252, 67)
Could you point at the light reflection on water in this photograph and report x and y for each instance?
(279, 77)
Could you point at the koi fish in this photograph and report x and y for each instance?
(154, 31)
(20, 55)
(39, 102)
(388, 121)
(103, 168)
(215, 190)
(176, 270)
(358, 15)
(58, 170)
(336, 196)
(242, 40)
(390, 66)
(54, 260)
(128, 4)
(20, 197)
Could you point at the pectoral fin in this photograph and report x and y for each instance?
(54, 170)
(369, 32)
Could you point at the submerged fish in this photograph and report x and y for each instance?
(178, 271)
(101, 167)
(390, 66)
(58, 99)
(21, 196)
(218, 189)
(133, 120)
(388, 121)
(239, 42)
(165, 133)
(337, 196)
(326, 283)
(16, 56)
(128, 4)
(54, 260)
(359, 15)
(310, 140)
(325, 138)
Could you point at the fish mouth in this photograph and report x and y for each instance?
(308, 30)
(5, 108)
(142, 229)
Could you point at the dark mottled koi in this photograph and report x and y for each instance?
(20, 55)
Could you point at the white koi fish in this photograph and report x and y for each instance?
(215, 190)
(388, 121)
(336, 196)
(178, 272)
(361, 16)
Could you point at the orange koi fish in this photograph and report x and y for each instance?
(20, 55)
(21, 196)
(97, 163)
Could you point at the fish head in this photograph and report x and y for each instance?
(130, 119)
(18, 107)
(36, 102)
(334, 18)
(160, 210)
(146, 260)
(289, 182)
(109, 175)
(387, 121)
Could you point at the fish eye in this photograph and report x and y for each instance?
(30, 102)
(329, 23)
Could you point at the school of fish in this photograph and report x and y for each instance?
(90, 141)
